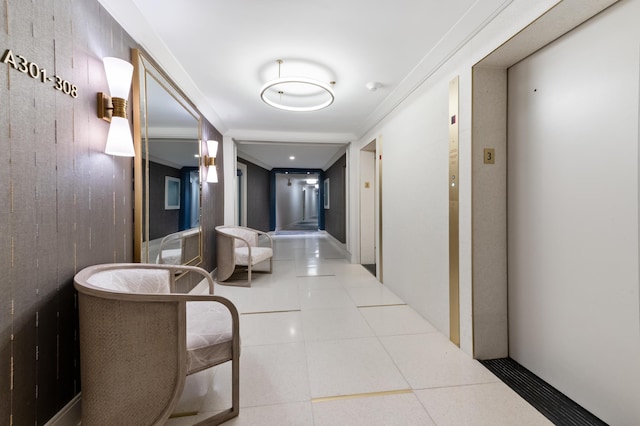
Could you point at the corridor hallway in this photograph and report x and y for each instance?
(324, 343)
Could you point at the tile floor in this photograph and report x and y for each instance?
(324, 343)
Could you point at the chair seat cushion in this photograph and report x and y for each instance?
(208, 326)
(258, 254)
(170, 257)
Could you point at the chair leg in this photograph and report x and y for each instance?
(271, 265)
(249, 274)
(235, 385)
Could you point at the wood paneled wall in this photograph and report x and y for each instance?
(335, 218)
(64, 204)
(212, 202)
(258, 196)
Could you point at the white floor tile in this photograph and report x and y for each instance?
(345, 367)
(332, 324)
(312, 270)
(293, 414)
(403, 409)
(352, 270)
(271, 300)
(396, 320)
(315, 283)
(356, 281)
(318, 298)
(373, 296)
(271, 374)
(271, 328)
(492, 404)
(315, 342)
(431, 360)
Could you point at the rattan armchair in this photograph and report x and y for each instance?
(239, 246)
(139, 340)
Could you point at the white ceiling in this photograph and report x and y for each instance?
(221, 52)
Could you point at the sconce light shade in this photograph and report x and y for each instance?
(212, 148)
(212, 175)
(119, 140)
(114, 108)
(210, 161)
(119, 75)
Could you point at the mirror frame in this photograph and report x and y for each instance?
(143, 64)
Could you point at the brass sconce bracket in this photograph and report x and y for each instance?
(109, 107)
(209, 161)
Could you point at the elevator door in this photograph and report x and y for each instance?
(574, 315)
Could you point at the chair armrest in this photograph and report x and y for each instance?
(87, 272)
(167, 298)
(266, 235)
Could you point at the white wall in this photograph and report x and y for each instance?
(415, 205)
(414, 141)
(288, 201)
(311, 202)
(573, 214)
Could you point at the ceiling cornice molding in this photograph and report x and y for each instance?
(294, 137)
(455, 39)
(335, 158)
(127, 14)
(247, 157)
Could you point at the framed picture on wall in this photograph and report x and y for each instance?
(171, 193)
(326, 194)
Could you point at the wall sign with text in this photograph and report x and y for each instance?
(20, 63)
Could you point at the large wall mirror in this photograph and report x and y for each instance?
(167, 169)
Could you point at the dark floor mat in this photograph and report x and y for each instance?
(552, 403)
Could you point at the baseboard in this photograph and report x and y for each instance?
(70, 415)
(342, 246)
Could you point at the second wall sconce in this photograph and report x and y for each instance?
(113, 109)
(210, 161)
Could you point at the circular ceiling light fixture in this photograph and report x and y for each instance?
(298, 94)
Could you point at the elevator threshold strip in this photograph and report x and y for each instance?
(360, 395)
(553, 404)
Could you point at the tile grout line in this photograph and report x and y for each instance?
(270, 312)
(360, 395)
(381, 306)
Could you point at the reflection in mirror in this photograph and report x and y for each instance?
(167, 187)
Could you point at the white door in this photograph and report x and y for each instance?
(574, 316)
(367, 205)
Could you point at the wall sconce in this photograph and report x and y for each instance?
(113, 109)
(210, 161)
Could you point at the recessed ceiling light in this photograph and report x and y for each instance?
(292, 158)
